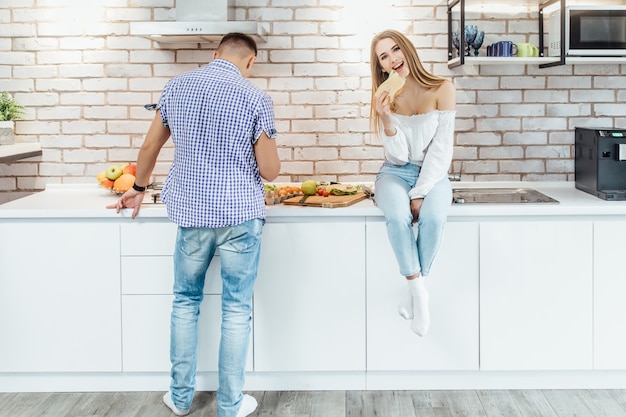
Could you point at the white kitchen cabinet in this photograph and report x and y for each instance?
(59, 297)
(609, 318)
(310, 297)
(452, 341)
(148, 238)
(147, 279)
(536, 295)
(146, 336)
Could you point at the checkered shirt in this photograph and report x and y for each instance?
(215, 116)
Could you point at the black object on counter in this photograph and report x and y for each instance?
(600, 162)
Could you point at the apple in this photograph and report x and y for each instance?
(130, 169)
(107, 183)
(101, 176)
(114, 172)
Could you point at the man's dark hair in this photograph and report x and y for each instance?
(238, 39)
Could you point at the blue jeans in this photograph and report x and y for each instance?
(393, 183)
(239, 248)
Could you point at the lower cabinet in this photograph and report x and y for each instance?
(609, 308)
(536, 286)
(513, 295)
(452, 341)
(147, 279)
(146, 333)
(310, 297)
(59, 297)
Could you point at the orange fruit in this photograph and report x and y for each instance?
(124, 183)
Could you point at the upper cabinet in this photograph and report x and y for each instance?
(542, 32)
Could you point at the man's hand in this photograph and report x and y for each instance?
(130, 199)
(416, 205)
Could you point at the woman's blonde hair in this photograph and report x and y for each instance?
(411, 59)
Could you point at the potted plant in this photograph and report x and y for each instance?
(10, 110)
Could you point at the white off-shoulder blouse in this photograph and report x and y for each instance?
(426, 140)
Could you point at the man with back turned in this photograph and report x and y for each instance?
(224, 135)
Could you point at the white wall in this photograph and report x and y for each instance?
(84, 81)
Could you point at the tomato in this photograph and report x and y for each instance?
(320, 191)
(326, 193)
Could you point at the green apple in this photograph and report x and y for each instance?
(309, 187)
(114, 172)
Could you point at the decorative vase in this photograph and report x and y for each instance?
(7, 132)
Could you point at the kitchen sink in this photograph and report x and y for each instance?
(487, 195)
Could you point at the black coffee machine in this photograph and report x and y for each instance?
(600, 162)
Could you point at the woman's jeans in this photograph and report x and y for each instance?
(239, 248)
(393, 183)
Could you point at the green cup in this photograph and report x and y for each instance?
(527, 50)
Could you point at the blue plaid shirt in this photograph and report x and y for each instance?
(215, 116)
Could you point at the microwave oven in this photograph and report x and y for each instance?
(589, 31)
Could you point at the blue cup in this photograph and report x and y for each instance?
(504, 48)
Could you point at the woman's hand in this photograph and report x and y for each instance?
(383, 108)
(416, 205)
(383, 105)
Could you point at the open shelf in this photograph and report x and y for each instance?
(10, 153)
(497, 60)
(542, 61)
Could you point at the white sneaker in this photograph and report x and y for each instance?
(248, 405)
(167, 400)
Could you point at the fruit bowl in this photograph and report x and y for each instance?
(117, 178)
(112, 191)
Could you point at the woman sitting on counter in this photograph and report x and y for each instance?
(415, 119)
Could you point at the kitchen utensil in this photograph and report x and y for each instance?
(369, 193)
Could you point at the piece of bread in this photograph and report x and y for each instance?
(393, 84)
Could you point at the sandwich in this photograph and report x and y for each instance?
(393, 84)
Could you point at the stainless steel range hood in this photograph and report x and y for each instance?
(198, 21)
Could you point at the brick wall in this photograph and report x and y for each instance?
(84, 81)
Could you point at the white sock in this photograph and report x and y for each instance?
(405, 308)
(421, 314)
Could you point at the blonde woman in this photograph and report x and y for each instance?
(412, 187)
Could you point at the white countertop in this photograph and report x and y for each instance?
(86, 201)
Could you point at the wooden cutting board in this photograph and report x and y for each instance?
(331, 201)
